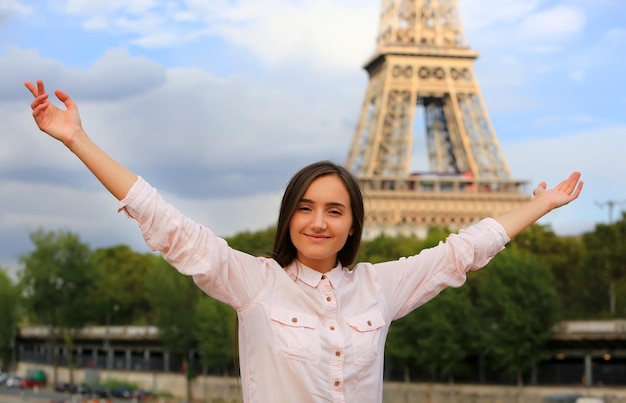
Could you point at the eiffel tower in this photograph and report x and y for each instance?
(422, 65)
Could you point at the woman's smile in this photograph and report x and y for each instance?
(322, 223)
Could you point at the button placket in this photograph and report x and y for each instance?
(336, 343)
(330, 317)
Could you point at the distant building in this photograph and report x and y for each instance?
(581, 352)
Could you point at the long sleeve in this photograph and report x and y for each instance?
(226, 274)
(411, 282)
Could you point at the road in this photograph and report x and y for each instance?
(12, 395)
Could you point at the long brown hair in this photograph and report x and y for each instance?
(284, 251)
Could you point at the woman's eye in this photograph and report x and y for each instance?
(335, 212)
(304, 208)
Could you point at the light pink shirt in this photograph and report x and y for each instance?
(305, 336)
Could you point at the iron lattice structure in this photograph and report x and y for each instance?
(422, 62)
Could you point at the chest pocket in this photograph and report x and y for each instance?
(296, 335)
(366, 331)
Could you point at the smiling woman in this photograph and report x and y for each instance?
(322, 223)
(312, 324)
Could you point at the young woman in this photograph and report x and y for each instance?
(310, 329)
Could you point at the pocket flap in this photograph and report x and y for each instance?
(289, 317)
(367, 321)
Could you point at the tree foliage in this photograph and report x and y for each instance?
(605, 272)
(443, 328)
(215, 331)
(8, 317)
(565, 257)
(174, 298)
(430, 343)
(55, 279)
(121, 277)
(258, 243)
(517, 309)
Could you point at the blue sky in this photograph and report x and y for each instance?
(217, 103)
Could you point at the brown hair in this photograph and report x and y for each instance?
(284, 250)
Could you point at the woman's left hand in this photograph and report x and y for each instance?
(561, 194)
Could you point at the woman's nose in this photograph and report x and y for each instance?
(319, 220)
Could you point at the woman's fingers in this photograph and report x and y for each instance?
(40, 87)
(571, 185)
(31, 88)
(63, 97)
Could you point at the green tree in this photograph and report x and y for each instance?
(257, 243)
(215, 331)
(400, 351)
(431, 342)
(565, 256)
(517, 310)
(442, 330)
(606, 268)
(55, 278)
(384, 248)
(121, 277)
(174, 299)
(8, 318)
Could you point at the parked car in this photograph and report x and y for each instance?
(141, 394)
(101, 391)
(561, 398)
(13, 381)
(62, 387)
(123, 392)
(30, 383)
(80, 389)
(3, 378)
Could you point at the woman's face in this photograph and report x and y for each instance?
(321, 223)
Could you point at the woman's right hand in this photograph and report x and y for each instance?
(64, 125)
(58, 123)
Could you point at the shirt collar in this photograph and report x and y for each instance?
(313, 277)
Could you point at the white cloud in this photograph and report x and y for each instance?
(186, 122)
(555, 24)
(8, 7)
(81, 7)
(481, 14)
(533, 27)
(327, 34)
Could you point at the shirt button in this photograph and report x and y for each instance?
(338, 353)
(332, 328)
(337, 383)
(329, 299)
(323, 277)
(369, 323)
(294, 320)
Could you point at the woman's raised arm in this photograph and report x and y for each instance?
(544, 201)
(65, 126)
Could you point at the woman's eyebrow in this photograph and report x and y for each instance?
(335, 204)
